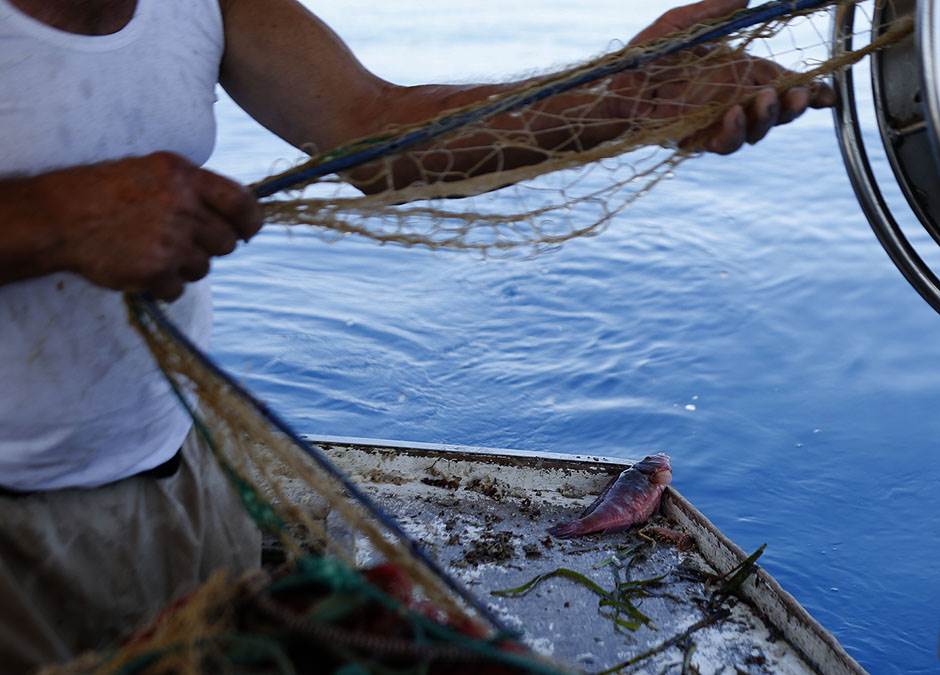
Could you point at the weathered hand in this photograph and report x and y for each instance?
(146, 224)
(729, 77)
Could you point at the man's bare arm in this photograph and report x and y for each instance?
(148, 223)
(296, 76)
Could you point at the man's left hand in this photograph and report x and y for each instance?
(729, 76)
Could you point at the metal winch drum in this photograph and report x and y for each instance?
(905, 81)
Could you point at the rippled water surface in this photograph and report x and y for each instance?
(740, 317)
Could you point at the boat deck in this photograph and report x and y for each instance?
(484, 513)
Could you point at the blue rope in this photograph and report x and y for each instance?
(632, 60)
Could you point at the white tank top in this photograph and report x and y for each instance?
(81, 401)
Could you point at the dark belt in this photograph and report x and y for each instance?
(159, 472)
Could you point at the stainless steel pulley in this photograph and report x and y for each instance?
(905, 83)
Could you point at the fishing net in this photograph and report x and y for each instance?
(354, 593)
(528, 165)
(352, 588)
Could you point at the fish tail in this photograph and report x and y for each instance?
(570, 529)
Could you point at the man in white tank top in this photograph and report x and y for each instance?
(107, 506)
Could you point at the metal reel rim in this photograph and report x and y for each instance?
(858, 166)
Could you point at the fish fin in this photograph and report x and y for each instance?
(566, 530)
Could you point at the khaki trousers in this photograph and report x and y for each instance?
(81, 568)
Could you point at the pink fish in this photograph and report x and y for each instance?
(629, 499)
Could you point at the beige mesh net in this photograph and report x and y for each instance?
(539, 174)
(586, 170)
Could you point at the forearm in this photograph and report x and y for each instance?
(142, 223)
(569, 122)
(31, 244)
(293, 74)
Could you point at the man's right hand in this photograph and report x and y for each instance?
(142, 224)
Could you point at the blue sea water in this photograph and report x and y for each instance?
(741, 317)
